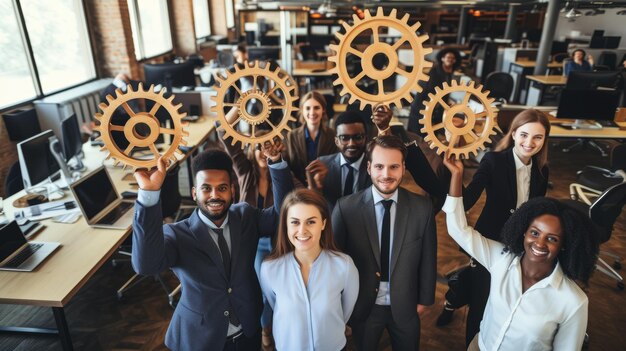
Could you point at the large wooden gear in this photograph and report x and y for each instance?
(373, 23)
(475, 135)
(281, 95)
(149, 119)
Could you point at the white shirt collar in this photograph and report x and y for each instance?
(210, 223)
(356, 164)
(554, 279)
(378, 197)
(519, 164)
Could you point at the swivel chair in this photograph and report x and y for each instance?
(592, 181)
(13, 182)
(604, 212)
(500, 86)
(608, 59)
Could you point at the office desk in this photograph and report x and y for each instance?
(557, 131)
(536, 87)
(519, 70)
(83, 249)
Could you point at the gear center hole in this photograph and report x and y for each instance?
(254, 107)
(380, 61)
(141, 131)
(459, 120)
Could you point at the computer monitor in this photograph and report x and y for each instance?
(72, 141)
(558, 47)
(593, 80)
(263, 53)
(36, 160)
(588, 104)
(170, 74)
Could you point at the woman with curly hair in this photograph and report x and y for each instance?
(534, 301)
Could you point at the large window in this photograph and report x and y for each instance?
(230, 13)
(150, 24)
(44, 47)
(201, 18)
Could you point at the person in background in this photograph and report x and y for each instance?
(516, 171)
(241, 53)
(311, 286)
(578, 62)
(535, 302)
(311, 140)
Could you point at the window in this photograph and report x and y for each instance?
(230, 13)
(201, 18)
(44, 48)
(150, 24)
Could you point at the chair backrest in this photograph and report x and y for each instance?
(618, 157)
(560, 57)
(225, 59)
(13, 182)
(607, 58)
(500, 85)
(607, 208)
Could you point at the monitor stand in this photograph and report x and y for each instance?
(582, 124)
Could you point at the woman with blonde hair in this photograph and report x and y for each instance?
(311, 286)
(311, 140)
(513, 173)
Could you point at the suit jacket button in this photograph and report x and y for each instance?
(376, 289)
(230, 290)
(378, 274)
(512, 210)
(226, 313)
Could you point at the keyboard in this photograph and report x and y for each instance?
(23, 255)
(116, 213)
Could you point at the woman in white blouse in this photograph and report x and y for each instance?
(534, 302)
(311, 287)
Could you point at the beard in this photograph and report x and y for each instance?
(204, 208)
(383, 191)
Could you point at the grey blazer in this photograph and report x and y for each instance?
(332, 182)
(413, 257)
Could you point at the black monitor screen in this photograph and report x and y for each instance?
(72, 143)
(599, 105)
(11, 238)
(170, 74)
(263, 53)
(558, 47)
(593, 80)
(95, 193)
(36, 160)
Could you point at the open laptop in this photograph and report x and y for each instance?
(100, 202)
(17, 254)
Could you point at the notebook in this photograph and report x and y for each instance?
(101, 204)
(17, 254)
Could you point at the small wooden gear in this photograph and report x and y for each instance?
(474, 135)
(137, 118)
(344, 50)
(281, 95)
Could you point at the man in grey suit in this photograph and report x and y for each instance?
(212, 253)
(346, 170)
(390, 235)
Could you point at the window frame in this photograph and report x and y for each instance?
(30, 55)
(135, 24)
(204, 38)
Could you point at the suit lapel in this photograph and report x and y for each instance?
(301, 144)
(512, 174)
(364, 178)
(535, 177)
(400, 226)
(334, 172)
(205, 243)
(234, 227)
(369, 219)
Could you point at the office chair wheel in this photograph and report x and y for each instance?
(620, 286)
(137, 139)
(475, 135)
(376, 53)
(278, 80)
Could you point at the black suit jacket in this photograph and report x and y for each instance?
(332, 182)
(413, 258)
(497, 176)
(199, 321)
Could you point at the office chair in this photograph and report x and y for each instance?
(607, 59)
(560, 57)
(604, 213)
(592, 181)
(225, 59)
(13, 182)
(500, 86)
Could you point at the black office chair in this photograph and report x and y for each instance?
(592, 181)
(604, 213)
(607, 59)
(500, 86)
(13, 182)
(560, 57)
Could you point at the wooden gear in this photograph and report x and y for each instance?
(135, 139)
(279, 79)
(374, 23)
(475, 138)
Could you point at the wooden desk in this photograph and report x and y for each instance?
(83, 249)
(537, 85)
(519, 70)
(557, 131)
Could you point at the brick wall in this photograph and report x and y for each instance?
(183, 30)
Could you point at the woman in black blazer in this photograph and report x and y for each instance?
(524, 146)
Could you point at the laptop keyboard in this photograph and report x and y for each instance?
(116, 213)
(23, 255)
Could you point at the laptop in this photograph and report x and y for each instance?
(101, 204)
(17, 254)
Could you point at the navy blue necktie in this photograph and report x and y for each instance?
(384, 241)
(349, 184)
(223, 246)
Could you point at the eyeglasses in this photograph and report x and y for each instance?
(345, 138)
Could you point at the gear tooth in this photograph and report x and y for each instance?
(405, 18)
(355, 18)
(427, 50)
(438, 89)
(102, 107)
(140, 86)
(345, 26)
(118, 92)
(110, 99)
(380, 12)
(176, 107)
(416, 26)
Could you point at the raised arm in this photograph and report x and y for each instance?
(282, 184)
(241, 164)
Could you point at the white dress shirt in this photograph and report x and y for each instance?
(384, 295)
(356, 165)
(550, 315)
(312, 316)
(522, 174)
